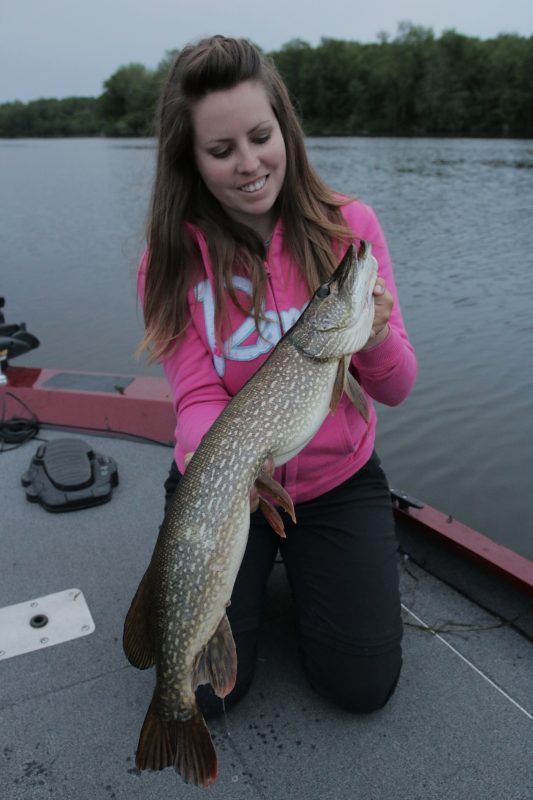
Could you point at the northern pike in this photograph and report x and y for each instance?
(177, 620)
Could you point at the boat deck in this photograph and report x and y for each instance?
(460, 724)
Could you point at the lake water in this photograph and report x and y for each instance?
(458, 215)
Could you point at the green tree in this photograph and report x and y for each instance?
(128, 101)
(411, 84)
(13, 120)
(507, 87)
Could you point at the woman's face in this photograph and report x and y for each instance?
(240, 153)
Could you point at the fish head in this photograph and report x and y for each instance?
(338, 320)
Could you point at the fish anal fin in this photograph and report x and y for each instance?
(217, 663)
(356, 395)
(273, 517)
(137, 641)
(185, 745)
(265, 483)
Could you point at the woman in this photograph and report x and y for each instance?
(241, 232)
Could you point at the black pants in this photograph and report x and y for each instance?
(341, 564)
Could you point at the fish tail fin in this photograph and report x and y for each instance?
(217, 663)
(187, 746)
(156, 748)
(196, 758)
(136, 639)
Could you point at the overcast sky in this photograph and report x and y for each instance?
(60, 48)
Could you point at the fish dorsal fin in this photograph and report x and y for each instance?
(137, 640)
(217, 663)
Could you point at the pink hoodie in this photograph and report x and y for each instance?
(204, 376)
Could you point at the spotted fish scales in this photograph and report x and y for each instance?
(177, 620)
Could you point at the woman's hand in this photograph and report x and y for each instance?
(268, 467)
(383, 303)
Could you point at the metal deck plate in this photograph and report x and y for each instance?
(43, 622)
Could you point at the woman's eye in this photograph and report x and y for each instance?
(220, 153)
(262, 139)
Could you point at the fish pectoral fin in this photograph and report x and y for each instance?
(356, 395)
(272, 516)
(345, 382)
(338, 386)
(217, 663)
(265, 483)
(185, 745)
(137, 641)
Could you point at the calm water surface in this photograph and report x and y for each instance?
(458, 215)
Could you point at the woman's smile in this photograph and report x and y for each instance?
(255, 186)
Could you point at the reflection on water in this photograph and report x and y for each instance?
(457, 214)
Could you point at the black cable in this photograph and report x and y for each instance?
(17, 430)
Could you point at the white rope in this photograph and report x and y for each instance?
(463, 658)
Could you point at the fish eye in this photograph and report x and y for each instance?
(323, 291)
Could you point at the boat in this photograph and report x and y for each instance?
(460, 724)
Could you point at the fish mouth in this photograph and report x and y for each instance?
(356, 274)
(347, 268)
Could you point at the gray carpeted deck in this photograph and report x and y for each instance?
(70, 714)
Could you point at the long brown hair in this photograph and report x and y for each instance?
(310, 212)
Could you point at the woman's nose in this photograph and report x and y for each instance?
(248, 160)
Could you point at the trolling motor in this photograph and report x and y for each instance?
(14, 341)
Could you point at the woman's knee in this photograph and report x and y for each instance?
(359, 683)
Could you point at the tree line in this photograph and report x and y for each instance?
(414, 84)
